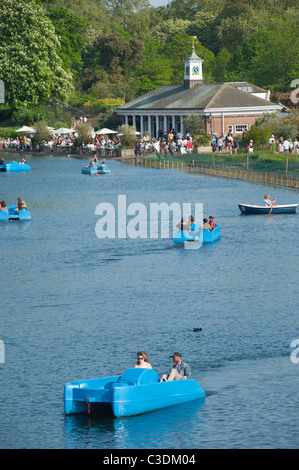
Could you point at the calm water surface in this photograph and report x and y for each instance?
(74, 307)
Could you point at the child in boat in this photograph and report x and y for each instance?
(268, 201)
(212, 222)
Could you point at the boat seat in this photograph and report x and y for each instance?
(138, 376)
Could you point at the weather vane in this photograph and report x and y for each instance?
(193, 38)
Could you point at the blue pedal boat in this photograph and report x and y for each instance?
(279, 209)
(15, 166)
(14, 214)
(95, 170)
(205, 236)
(136, 391)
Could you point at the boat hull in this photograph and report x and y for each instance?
(205, 236)
(136, 391)
(281, 209)
(95, 170)
(14, 214)
(13, 167)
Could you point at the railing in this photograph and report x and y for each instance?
(263, 177)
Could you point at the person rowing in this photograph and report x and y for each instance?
(268, 201)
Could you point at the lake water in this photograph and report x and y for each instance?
(75, 306)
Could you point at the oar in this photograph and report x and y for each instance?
(271, 210)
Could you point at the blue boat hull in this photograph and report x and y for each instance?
(15, 166)
(281, 209)
(14, 214)
(205, 236)
(136, 391)
(96, 169)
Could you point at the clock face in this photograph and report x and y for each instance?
(195, 70)
(187, 70)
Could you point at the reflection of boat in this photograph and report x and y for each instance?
(282, 209)
(136, 391)
(95, 170)
(205, 236)
(15, 166)
(14, 214)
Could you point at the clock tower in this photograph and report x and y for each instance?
(193, 69)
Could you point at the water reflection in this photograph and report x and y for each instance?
(171, 427)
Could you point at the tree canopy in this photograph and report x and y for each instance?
(118, 49)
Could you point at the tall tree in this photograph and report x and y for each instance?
(29, 55)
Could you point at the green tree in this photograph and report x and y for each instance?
(155, 71)
(70, 30)
(270, 57)
(29, 55)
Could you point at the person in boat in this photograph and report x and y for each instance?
(142, 361)
(1, 161)
(23, 161)
(21, 204)
(268, 201)
(90, 164)
(212, 223)
(183, 225)
(179, 371)
(191, 222)
(3, 206)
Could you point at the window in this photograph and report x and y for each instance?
(241, 127)
(230, 128)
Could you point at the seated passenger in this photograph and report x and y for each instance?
(21, 204)
(23, 161)
(3, 206)
(142, 361)
(268, 202)
(183, 225)
(212, 222)
(191, 222)
(179, 371)
(90, 164)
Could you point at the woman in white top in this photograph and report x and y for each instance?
(142, 361)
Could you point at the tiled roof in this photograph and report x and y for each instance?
(198, 97)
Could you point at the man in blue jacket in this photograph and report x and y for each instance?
(180, 370)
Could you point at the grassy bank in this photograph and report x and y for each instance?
(258, 161)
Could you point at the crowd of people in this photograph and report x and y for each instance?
(166, 144)
(284, 145)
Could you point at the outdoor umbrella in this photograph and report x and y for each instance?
(105, 131)
(26, 129)
(64, 130)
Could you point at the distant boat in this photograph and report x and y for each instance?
(15, 166)
(282, 209)
(95, 169)
(136, 391)
(14, 214)
(205, 236)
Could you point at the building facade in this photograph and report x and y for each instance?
(226, 107)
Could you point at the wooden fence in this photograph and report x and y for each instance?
(224, 172)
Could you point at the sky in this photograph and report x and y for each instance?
(158, 3)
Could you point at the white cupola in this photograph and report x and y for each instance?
(193, 69)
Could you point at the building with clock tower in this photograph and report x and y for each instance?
(227, 107)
